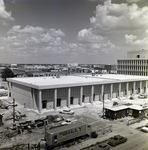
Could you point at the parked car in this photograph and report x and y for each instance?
(58, 119)
(69, 121)
(142, 96)
(66, 111)
(102, 146)
(116, 140)
(144, 129)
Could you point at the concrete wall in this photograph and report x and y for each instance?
(75, 93)
(22, 94)
(115, 90)
(106, 91)
(49, 96)
(130, 89)
(97, 92)
(29, 97)
(87, 94)
(123, 89)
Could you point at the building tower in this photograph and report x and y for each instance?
(136, 63)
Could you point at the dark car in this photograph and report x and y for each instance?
(116, 140)
(102, 146)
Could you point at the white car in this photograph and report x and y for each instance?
(69, 121)
(144, 129)
(142, 96)
(67, 111)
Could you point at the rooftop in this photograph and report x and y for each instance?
(65, 128)
(122, 107)
(71, 81)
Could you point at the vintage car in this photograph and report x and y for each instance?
(68, 121)
(142, 96)
(67, 111)
(102, 146)
(144, 129)
(116, 140)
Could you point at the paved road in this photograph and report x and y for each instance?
(138, 141)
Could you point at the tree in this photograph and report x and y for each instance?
(7, 73)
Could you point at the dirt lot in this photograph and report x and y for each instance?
(87, 113)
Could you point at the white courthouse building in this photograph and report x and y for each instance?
(40, 93)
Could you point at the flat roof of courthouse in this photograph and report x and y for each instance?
(74, 80)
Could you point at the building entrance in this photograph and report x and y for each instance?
(44, 103)
(71, 100)
(58, 102)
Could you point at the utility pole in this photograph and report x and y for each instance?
(103, 105)
(14, 105)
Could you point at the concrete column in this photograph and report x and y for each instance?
(146, 86)
(111, 91)
(33, 99)
(69, 95)
(8, 86)
(55, 99)
(92, 94)
(81, 94)
(102, 92)
(119, 90)
(127, 86)
(40, 101)
(140, 87)
(134, 86)
(34, 105)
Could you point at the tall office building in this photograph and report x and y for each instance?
(136, 63)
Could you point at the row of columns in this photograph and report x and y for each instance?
(92, 94)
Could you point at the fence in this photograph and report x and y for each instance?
(132, 121)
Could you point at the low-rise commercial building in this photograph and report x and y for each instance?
(116, 112)
(55, 92)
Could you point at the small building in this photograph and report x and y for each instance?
(116, 112)
(139, 111)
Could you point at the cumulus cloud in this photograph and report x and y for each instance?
(35, 40)
(4, 15)
(111, 16)
(133, 1)
(134, 42)
(27, 30)
(95, 43)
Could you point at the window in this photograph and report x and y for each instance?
(55, 139)
(138, 56)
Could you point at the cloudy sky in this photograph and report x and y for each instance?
(71, 31)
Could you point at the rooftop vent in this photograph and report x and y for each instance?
(138, 56)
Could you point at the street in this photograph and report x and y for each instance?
(138, 141)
